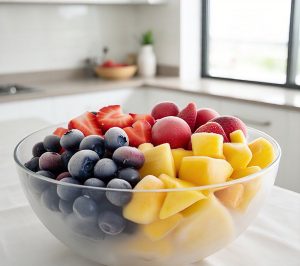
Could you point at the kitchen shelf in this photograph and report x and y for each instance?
(97, 2)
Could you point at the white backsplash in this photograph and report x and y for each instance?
(45, 37)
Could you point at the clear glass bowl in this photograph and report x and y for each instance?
(206, 228)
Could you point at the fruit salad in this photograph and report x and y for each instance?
(157, 184)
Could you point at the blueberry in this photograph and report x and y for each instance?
(46, 174)
(81, 164)
(33, 164)
(105, 169)
(118, 198)
(38, 149)
(94, 194)
(63, 175)
(115, 138)
(51, 161)
(39, 185)
(66, 207)
(94, 113)
(111, 223)
(68, 193)
(94, 143)
(129, 157)
(52, 143)
(65, 157)
(71, 139)
(132, 176)
(85, 207)
(50, 199)
(130, 228)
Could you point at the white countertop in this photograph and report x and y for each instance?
(273, 239)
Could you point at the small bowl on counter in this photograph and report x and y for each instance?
(116, 72)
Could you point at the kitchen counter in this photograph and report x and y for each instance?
(258, 94)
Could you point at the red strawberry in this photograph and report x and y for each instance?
(60, 131)
(212, 127)
(230, 124)
(139, 133)
(112, 116)
(189, 115)
(146, 117)
(86, 123)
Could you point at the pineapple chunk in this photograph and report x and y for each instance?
(202, 170)
(263, 153)
(207, 144)
(144, 207)
(158, 160)
(160, 228)
(237, 154)
(231, 196)
(176, 201)
(244, 172)
(178, 155)
(250, 190)
(237, 137)
(145, 146)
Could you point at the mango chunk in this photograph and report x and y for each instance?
(237, 154)
(158, 160)
(250, 190)
(160, 228)
(207, 144)
(231, 196)
(144, 207)
(206, 224)
(245, 172)
(178, 155)
(145, 146)
(176, 201)
(202, 170)
(237, 137)
(263, 153)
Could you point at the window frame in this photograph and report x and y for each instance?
(292, 51)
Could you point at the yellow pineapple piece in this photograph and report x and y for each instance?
(250, 190)
(207, 144)
(202, 170)
(237, 154)
(160, 228)
(178, 155)
(231, 196)
(237, 137)
(158, 160)
(244, 172)
(144, 207)
(263, 153)
(145, 146)
(176, 201)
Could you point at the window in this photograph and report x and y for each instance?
(252, 40)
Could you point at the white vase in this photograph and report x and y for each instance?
(146, 62)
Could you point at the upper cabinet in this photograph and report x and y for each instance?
(86, 1)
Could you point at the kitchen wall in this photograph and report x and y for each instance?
(43, 37)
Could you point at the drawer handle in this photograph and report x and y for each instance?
(256, 123)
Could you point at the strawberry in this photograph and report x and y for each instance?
(139, 133)
(86, 123)
(189, 115)
(146, 117)
(212, 127)
(60, 131)
(112, 116)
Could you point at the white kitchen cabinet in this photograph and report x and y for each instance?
(98, 2)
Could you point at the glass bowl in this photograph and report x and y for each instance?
(199, 231)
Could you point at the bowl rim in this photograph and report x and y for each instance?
(199, 188)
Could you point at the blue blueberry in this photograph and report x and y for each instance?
(118, 198)
(129, 157)
(65, 157)
(94, 143)
(71, 140)
(115, 138)
(52, 143)
(94, 194)
(132, 176)
(105, 169)
(50, 199)
(81, 164)
(66, 207)
(130, 228)
(38, 185)
(84, 207)
(111, 223)
(66, 192)
(33, 164)
(46, 174)
(51, 161)
(38, 149)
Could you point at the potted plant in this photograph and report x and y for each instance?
(146, 57)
